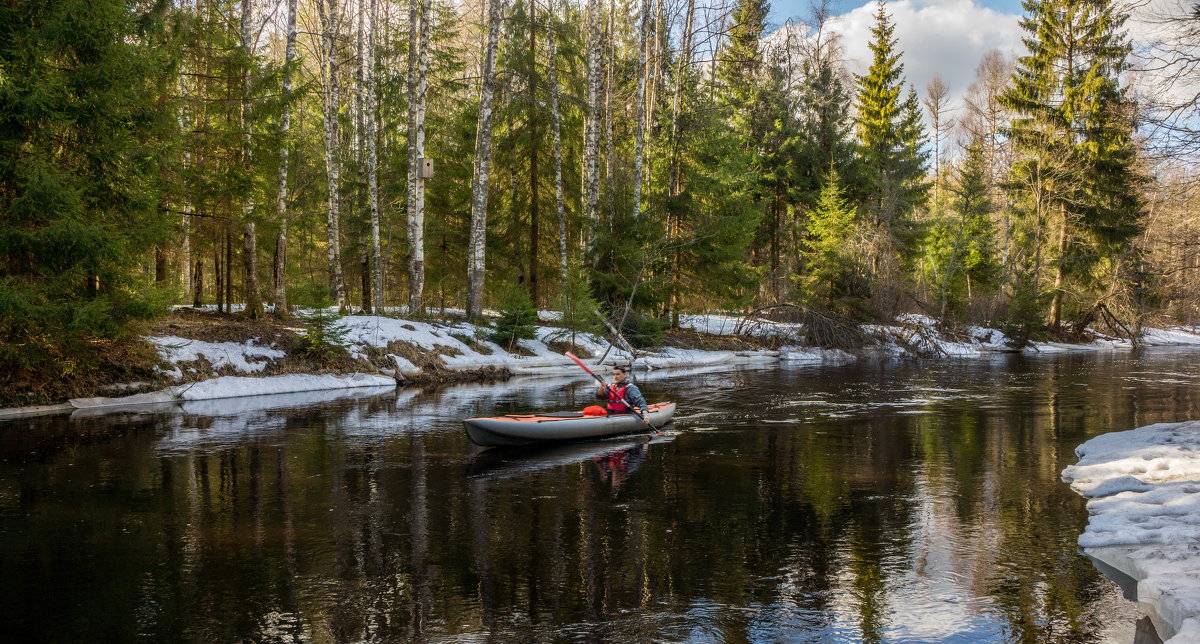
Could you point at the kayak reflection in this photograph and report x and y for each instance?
(614, 459)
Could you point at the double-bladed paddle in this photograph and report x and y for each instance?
(605, 385)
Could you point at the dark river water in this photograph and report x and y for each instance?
(879, 502)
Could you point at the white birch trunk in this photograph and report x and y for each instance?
(418, 60)
(333, 252)
(249, 232)
(608, 92)
(185, 225)
(640, 145)
(552, 37)
(285, 124)
(591, 132)
(372, 160)
(477, 244)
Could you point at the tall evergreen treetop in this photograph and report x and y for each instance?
(890, 135)
(1073, 134)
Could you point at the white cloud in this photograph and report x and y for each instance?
(947, 37)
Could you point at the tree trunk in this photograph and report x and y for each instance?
(418, 60)
(198, 284)
(535, 145)
(333, 164)
(482, 168)
(372, 160)
(249, 232)
(640, 146)
(609, 202)
(228, 269)
(160, 264)
(218, 278)
(185, 254)
(558, 187)
(591, 130)
(1060, 270)
(285, 124)
(364, 259)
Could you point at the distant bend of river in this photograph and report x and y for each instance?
(880, 502)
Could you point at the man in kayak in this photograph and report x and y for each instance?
(620, 389)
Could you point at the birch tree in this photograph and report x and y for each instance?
(640, 145)
(330, 22)
(285, 124)
(552, 37)
(937, 102)
(249, 232)
(372, 156)
(591, 131)
(418, 66)
(481, 170)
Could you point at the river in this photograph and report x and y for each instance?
(880, 501)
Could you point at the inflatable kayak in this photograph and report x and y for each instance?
(517, 429)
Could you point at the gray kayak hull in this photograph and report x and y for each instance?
(520, 430)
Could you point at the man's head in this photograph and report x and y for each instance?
(619, 372)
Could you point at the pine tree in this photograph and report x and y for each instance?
(86, 126)
(1073, 136)
(891, 142)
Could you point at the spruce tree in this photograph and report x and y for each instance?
(831, 273)
(891, 141)
(86, 122)
(1073, 136)
(960, 242)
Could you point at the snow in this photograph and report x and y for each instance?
(464, 346)
(237, 386)
(1143, 488)
(815, 355)
(244, 358)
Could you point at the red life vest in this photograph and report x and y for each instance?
(615, 394)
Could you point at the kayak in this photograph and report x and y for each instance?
(520, 460)
(518, 429)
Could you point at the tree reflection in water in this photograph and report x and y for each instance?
(878, 502)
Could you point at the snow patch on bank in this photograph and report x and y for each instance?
(243, 358)
(1143, 488)
(238, 386)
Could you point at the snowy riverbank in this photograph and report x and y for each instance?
(205, 357)
(1143, 491)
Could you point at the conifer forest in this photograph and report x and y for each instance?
(656, 157)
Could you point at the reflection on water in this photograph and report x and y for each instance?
(895, 502)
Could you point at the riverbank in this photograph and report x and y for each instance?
(1143, 491)
(205, 355)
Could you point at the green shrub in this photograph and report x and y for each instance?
(518, 317)
(324, 337)
(643, 330)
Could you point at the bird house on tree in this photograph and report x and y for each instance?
(425, 168)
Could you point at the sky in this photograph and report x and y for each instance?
(946, 37)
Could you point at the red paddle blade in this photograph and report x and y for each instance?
(579, 362)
